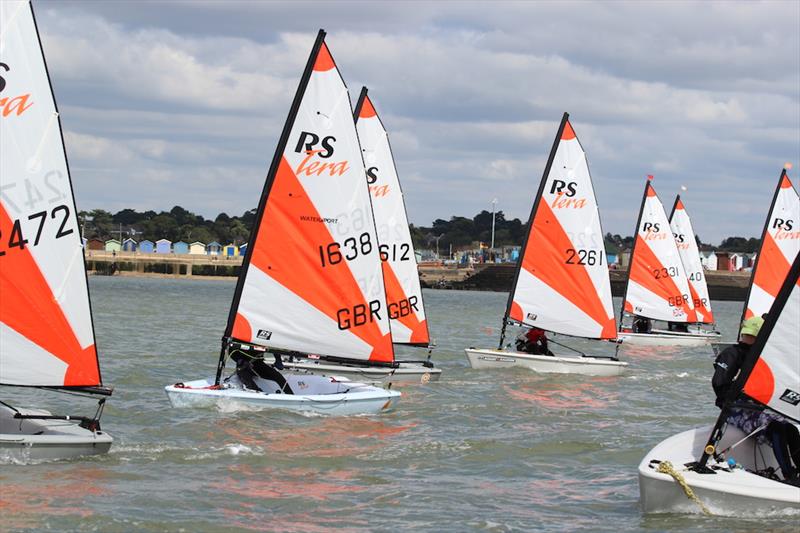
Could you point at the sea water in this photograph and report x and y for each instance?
(477, 451)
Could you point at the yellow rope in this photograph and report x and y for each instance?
(665, 467)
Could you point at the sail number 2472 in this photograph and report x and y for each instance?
(59, 216)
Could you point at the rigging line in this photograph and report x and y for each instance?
(565, 346)
(734, 445)
(4, 31)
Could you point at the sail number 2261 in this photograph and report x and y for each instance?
(584, 257)
(350, 248)
(59, 215)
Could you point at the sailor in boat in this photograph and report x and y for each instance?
(680, 327)
(641, 324)
(764, 425)
(533, 341)
(249, 367)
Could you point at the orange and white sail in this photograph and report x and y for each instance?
(46, 333)
(658, 287)
(780, 244)
(686, 242)
(775, 376)
(562, 282)
(311, 280)
(400, 273)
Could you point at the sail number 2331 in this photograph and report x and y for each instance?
(59, 216)
(350, 248)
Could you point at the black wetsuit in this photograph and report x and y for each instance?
(248, 368)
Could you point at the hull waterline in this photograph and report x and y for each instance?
(589, 366)
(667, 339)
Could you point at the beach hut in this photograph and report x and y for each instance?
(197, 248)
(113, 245)
(214, 248)
(163, 246)
(231, 250)
(243, 249)
(709, 260)
(146, 247)
(129, 245)
(180, 247)
(95, 244)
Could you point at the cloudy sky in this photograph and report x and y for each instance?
(167, 103)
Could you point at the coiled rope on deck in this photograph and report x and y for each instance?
(665, 467)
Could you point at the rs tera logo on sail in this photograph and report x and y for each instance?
(307, 143)
(16, 104)
(375, 190)
(652, 231)
(783, 229)
(565, 199)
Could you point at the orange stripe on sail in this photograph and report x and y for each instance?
(324, 59)
(772, 267)
(699, 307)
(785, 182)
(29, 307)
(568, 134)
(242, 329)
(760, 384)
(367, 110)
(545, 258)
(394, 296)
(291, 257)
(643, 266)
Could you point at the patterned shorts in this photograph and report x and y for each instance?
(749, 420)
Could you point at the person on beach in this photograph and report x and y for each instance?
(533, 341)
(750, 417)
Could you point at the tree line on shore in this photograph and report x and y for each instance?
(179, 224)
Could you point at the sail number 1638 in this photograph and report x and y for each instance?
(350, 248)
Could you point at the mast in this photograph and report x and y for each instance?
(633, 252)
(534, 207)
(399, 266)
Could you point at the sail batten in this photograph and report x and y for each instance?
(658, 287)
(780, 244)
(46, 332)
(312, 279)
(563, 270)
(400, 272)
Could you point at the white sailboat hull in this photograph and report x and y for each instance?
(32, 441)
(313, 394)
(728, 491)
(668, 338)
(406, 373)
(589, 366)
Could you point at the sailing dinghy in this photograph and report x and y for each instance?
(727, 470)
(311, 283)
(562, 283)
(404, 301)
(46, 333)
(658, 287)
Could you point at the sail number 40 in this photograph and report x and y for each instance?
(350, 248)
(584, 257)
(16, 238)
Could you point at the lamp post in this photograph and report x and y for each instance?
(494, 203)
(437, 244)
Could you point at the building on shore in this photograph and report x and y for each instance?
(95, 244)
(129, 245)
(231, 250)
(163, 246)
(197, 248)
(180, 248)
(243, 249)
(214, 248)
(146, 247)
(112, 245)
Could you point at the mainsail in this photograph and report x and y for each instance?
(658, 287)
(311, 281)
(780, 243)
(685, 240)
(46, 333)
(400, 274)
(562, 283)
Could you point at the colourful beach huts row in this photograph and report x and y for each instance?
(165, 246)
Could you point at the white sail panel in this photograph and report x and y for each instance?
(43, 290)
(401, 276)
(565, 251)
(316, 233)
(775, 378)
(780, 244)
(656, 268)
(686, 242)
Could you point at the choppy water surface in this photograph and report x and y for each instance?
(480, 450)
